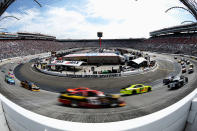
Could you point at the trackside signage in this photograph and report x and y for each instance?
(67, 63)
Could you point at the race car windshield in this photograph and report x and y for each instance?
(9, 77)
(35, 87)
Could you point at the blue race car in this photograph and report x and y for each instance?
(9, 80)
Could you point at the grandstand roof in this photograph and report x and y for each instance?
(175, 29)
(91, 54)
(34, 34)
(4, 4)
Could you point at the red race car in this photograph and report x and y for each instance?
(91, 99)
(77, 89)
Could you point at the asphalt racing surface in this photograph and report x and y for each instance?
(45, 102)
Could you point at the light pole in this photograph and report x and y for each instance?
(100, 34)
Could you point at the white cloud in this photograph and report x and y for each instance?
(125, 19)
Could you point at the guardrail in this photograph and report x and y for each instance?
(77, 76)
(94, 75)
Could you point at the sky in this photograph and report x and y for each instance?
(82, 19)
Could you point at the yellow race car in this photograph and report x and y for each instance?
(135, 89)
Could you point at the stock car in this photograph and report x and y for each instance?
(190, 70)
(135, 89)
(183, 66)
(9, 80)
(30, 86)
(191, 65)
(166, 81)
(3, 70)
(11, 74)
(178, 82)
(90, 99)
(184, 70)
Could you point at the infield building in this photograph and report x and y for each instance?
(96, 58)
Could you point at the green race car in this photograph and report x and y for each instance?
(135, 89)
(10, 80)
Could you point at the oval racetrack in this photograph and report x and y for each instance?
(45, 101)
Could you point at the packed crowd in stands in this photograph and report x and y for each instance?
(171, 44)
(14, 48)
(182, 44)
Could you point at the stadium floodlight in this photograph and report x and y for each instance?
(100, 34)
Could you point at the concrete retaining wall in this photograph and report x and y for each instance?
(192, 118)
(3, 123)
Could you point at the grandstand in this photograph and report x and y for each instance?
(26, 35)
(189, 28)
(177, 39)
(105, 42)
(4, 35)
(31, 36)
(13, 48)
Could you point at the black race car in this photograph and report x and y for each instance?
(190, 70)
(30, 86)
(184, 70)
(178, 82)
(166, 81)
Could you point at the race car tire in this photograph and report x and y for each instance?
(134, 92)
(113, 104)
(74, 103)
(186, 79)
(149, 89)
